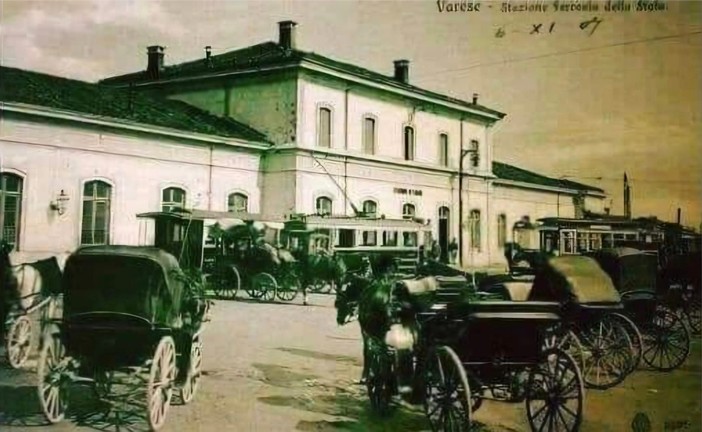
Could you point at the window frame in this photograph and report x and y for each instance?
(19, 194)
(501, 230)
(475, 153)
(364, 135)
(412, 144)
(475, 229)
(93, 199)
(235, 195)
(409, 215)
(320, 108)
(444, 149)
(317, 205)
(172, 204)
(374, 213)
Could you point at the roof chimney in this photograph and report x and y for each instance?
(402, 71)
(154, 66)
(287, 34)
(475, 98)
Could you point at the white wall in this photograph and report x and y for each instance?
(52, 157)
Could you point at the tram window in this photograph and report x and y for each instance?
(347, 238)
(369, 238)
(409, 239)
(389, 238)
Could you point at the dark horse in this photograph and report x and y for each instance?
(8, 285)
(368, 295)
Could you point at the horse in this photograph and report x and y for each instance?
(368, 295)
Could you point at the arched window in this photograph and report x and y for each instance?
(475, 229)
(95, 226)
(443, 149)
(501, 230)
(324, 127)
(408, 140)
(370, 208)
(172, 198)
(408, 211)
(323, 206)
(10, 206)
(237, 203)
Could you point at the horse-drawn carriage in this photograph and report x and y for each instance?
(29, 296)
(666, 342)
(234, 251)
(131, 329)
(451, 353)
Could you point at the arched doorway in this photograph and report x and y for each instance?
(444, 228)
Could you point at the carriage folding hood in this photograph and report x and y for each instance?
(142, 282)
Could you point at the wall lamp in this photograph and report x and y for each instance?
(59, 204)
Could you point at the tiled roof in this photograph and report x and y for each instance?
(270, 54)
(513, 173)
(34, 88)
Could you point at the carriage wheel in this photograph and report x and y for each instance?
(18, 342)
(447, 399)
(192, 381)
(52, 375)
(160, 388)
(607, 353)
(229, 283)
(290, 285)
(266, 286)
(554, 396)
(379, 380)
(666, 341)
(635, 337)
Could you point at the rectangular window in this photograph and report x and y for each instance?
(443, 150)
(95, 228)
(389, 238)
(324, 138)
(10, 205)
(475, 229)
(475, 153)
(369, 238)
(501, 230)
(347, 238)
(409, 239)
(369, 135)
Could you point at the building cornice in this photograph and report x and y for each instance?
(374, 160)
(524, 185)
(73, 116)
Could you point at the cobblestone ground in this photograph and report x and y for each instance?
(286, 367)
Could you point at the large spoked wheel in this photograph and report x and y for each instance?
(18, 342)
(555, 394)
(160, 387)
(289, 287)
(379, 380)
(607, 353)
(53, 377)
(666, 341)
(228, 283)
(635, 337)
(192, 381)
(692, 310)
(447, 399)
(265, 286)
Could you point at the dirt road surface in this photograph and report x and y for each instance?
(287, 367)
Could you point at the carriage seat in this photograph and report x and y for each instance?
(420, 286)
(505, 310)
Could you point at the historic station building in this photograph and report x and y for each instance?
(268, 129)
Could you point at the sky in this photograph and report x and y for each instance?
(589, 95)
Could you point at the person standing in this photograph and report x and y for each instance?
(453, 250)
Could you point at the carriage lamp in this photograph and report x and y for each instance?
(59, 204)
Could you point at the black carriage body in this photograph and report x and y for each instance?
(495, 333)
(119, 301)
(635, 275)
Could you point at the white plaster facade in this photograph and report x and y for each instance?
(54, 151)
